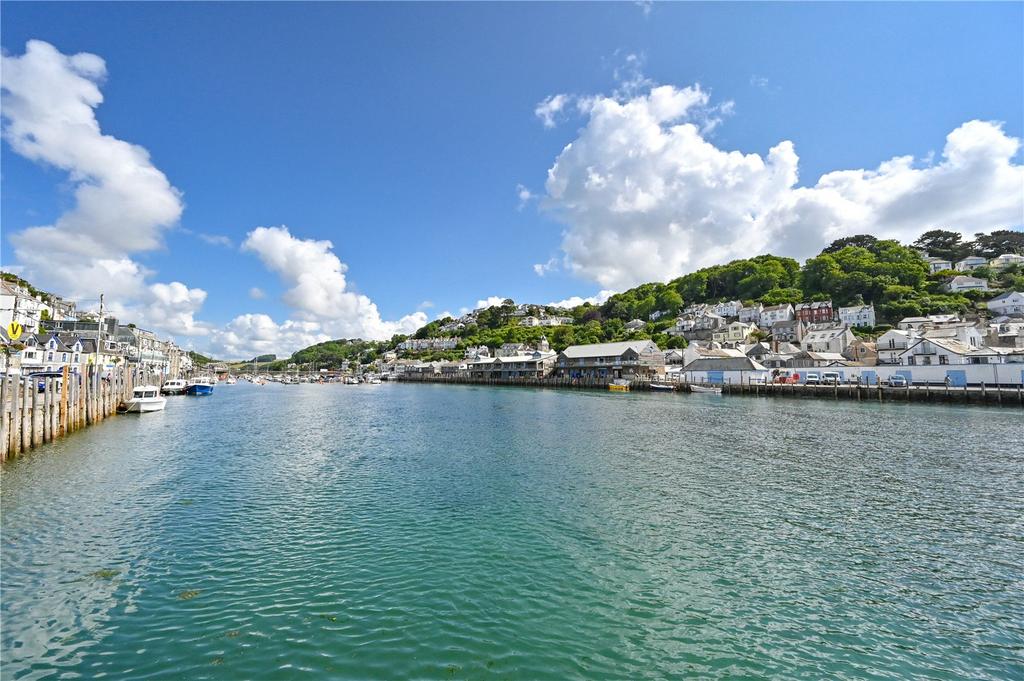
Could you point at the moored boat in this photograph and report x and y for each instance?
(662, 387)
(619, 385)
(705, 389)
(145, 398)
(201, 385)
(175, 386)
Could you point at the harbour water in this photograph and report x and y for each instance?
(457, 532)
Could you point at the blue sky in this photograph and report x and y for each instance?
(400, 132)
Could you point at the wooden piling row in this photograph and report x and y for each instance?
(996, 396)
(38, 410)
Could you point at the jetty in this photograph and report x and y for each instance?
(979, 394)
(35, 410)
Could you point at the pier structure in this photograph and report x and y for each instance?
(35, 410)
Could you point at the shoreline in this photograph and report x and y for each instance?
(998, 397)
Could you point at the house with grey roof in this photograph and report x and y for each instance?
(625, 359)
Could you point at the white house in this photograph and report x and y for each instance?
(736, 332)
(969, 263)
(751, 313)
(709, 321)
(938, 265)
(775, 313)
(936, 351)
(719, 370)
(1005, 260)
(891, 345)
(917, 323)
(1009, 303)
(827, 339)
(857, 315)
(635, 324)
(965, 283)
(729, 308)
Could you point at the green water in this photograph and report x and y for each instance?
(455, 532)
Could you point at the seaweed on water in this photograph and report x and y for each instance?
(217, 660)
(188, 594)
(105, 573)
(186, 502)
(329, 618)
(452, 669)
(233, 634)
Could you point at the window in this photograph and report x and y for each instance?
(943, 359)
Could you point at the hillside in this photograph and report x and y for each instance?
(854, 270)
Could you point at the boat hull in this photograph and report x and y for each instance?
(662, 387)
(145, 405)
(173, 391)
(198, 390)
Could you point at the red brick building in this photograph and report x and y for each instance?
(820, 312)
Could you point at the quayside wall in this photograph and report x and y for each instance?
(928, 392)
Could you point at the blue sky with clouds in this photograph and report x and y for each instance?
(405, 133)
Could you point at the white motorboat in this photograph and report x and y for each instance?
(175, 386)
(145, 398)
(705, 389)
(663, 387)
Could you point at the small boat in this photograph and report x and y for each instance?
(619, 385)
(662, 387)
(201, 385)
(175, 386)
(705, 389)
(145, 398)
(231, 380)
(373, 381)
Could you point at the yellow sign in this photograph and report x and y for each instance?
(14, 330)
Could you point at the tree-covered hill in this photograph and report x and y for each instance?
(853, 270)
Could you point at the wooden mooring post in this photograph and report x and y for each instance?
(37, 410)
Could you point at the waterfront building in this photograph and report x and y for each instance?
(964, 283)
(813, 359)
(721, 370)
(857, 315)
(891, 344)
(1009, 303)
(863, 352)
(833, 339)
(476, 352)
(969, 263)
(943, 351)
(626, 359)
(536, 364)
(818, 312)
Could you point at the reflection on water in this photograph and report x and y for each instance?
(466, 532)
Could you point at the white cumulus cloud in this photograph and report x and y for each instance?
(123, 203)
(250, 335)
(318, 289)
(645, 196)
(574, 301)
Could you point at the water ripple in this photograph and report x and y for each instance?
(465, 532)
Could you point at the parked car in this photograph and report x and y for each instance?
(897, 381)
(812, 378)
(830, 378)
(41, 375)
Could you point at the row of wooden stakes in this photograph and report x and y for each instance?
(39, 409)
